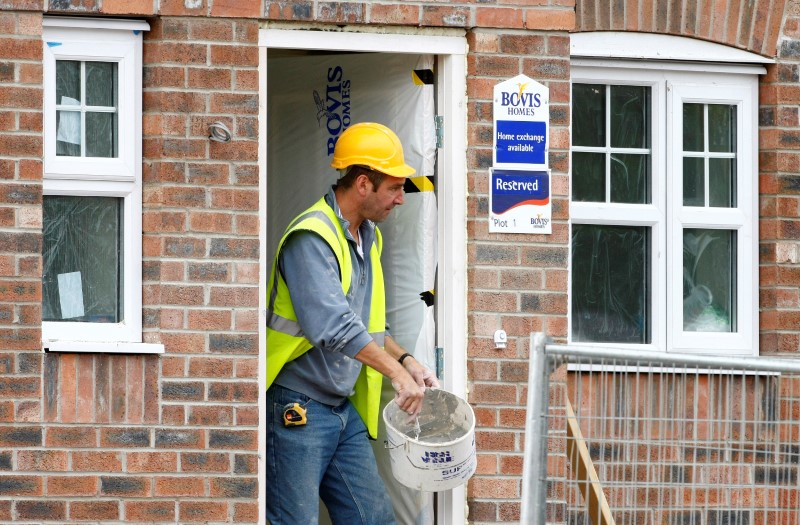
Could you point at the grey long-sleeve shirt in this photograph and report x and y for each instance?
(331, 320)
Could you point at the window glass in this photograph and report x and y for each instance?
(81, 131)
(722, 183)
(693, 129)
(722, 128)
(709, 280)
(630, 116)
(617, 170)
(709, 155)
(588, 177)
(82, 259)
(610, 284)
(630, 176)
(589, 115)
(694, 185)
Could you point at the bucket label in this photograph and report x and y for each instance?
(437, 457)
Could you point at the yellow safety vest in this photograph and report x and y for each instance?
(285, 339)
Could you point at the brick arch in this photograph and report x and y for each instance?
(753, 25)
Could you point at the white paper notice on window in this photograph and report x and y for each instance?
(69, 122)
(70, 294)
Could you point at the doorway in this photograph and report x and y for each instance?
(288, 59)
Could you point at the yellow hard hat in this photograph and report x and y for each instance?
(373, 145)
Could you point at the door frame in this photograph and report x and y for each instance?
(451, 323)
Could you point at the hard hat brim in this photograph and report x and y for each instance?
(398, 171)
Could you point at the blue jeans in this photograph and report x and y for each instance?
(330, 457)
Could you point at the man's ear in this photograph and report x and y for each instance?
(363, 184)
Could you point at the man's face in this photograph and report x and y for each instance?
(381, 200)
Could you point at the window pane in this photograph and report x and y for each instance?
(610, 284)
(588, 115)
(721, 128)
(588, 177)
(68, 133)
(630, 178)
(722, 183)
(630, 117)
(82, 259)
(101, 84)
(693, 127)
(101, 136)
(694, 185)
(68, 82)
(709, 280)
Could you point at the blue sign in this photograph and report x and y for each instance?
(519, 202)
(521, 142)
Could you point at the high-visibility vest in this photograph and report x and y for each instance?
(285, 339)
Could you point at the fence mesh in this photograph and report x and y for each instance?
(668, 440)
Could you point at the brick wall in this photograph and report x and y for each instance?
(779, 186)
(21, 437)
(746, 24)
(516, 282)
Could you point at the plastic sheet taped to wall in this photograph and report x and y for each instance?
(311, 100)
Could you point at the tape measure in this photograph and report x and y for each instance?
(294, 415)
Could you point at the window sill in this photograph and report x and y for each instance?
(102, 347)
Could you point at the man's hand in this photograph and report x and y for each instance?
(409, 394)
(422, 375)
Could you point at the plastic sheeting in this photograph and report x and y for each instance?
(311, 100)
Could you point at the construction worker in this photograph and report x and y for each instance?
(327, 345)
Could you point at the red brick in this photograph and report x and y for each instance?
(205, 462)
(210, 78)
(103, 511)
(173, 415)
(341, 12)
(71, 486)
(182, 8)
(297, 10)
(75, 437)
(246, 416)
(128, 7)
(40, 510)
(21, 486)
(42, 460)
(150, 511)
(152, 462)
(202, 511)
(234, 55)
(210, 367)
(245, 512)
(494, 488)
(237, 8)
(210, 29)
(239, 296)
(247, 368)
(211, 415)
(446, 16)
(502, 17)
(20, 49)
(179, 486)
(96, 461)
(394, 14)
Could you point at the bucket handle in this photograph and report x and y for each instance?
(387, 446)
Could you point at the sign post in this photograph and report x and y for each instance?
(519, 195)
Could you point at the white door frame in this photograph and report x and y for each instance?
(451, 321)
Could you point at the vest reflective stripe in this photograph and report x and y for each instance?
(285, 338)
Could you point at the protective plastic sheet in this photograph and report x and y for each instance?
(311, 100)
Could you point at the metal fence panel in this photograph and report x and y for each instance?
(661, 439)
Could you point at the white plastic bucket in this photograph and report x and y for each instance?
(439, 454)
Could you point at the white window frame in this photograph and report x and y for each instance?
(731, 77)
(117, 41)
